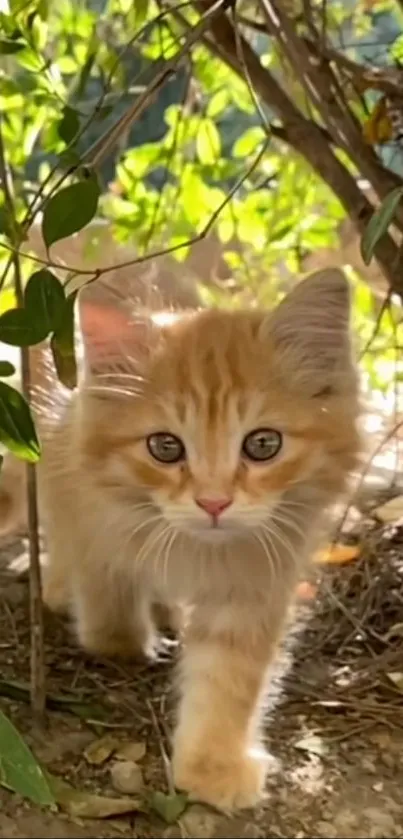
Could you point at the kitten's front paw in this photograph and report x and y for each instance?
(229, 784)
(109, 645)
(116, 643)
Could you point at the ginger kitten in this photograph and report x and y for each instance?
(195, 465)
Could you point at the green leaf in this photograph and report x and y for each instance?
(396, 50)
(5, 225)
(70, 210)
(69, 125)
(208, 142)
(16, 330)
(30, 60)
(19, 771)
(62, 346)
(8, 47)
(249, 142)
(31, 20)
(379, 223)
(218, 103)
(21, 693)
(17, 430)
(7, 300)
(6, 369)
(43, 9)
(141, 11)
(69, 160)
(90, 57)
(169, 807)
(44, 302)
(364, 300)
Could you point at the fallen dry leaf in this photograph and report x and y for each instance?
(397, 679)
(99, 751)
(378, 128)
(337, 554)
(131, 751)
(313, 744)
(391, 512)
(87, 805)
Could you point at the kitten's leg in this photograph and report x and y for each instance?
(111, 611)
(12, 494)
(111, 617)
(56, 586)
(217, 756)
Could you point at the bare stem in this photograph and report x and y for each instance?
(36, 613)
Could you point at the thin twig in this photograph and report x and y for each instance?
(163, 751)
(95, 273)
(355, 495)
(38, 692)
(265, 122)
(377, 325)
(168, 163)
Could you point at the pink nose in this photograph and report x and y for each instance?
(214, 506)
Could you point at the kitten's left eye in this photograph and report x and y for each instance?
(262, 444)
(166, 448)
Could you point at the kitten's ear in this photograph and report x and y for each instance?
(112, 337)
(310, 330)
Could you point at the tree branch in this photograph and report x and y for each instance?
(308, 139)
(321, 86)
(389, 80)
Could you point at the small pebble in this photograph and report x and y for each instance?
(199, 822)
(127, 777)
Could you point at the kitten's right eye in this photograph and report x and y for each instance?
(165, 447)
(262, 444)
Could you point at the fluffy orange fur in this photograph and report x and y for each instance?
(126, 532)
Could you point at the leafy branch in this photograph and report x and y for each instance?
(304, 135)
(12, 406)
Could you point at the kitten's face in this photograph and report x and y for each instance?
(229, 415)
(219, 459)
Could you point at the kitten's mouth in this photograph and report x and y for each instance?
(213, 529)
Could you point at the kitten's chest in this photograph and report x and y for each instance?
(190, 570)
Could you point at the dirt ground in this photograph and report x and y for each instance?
(334, 725)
